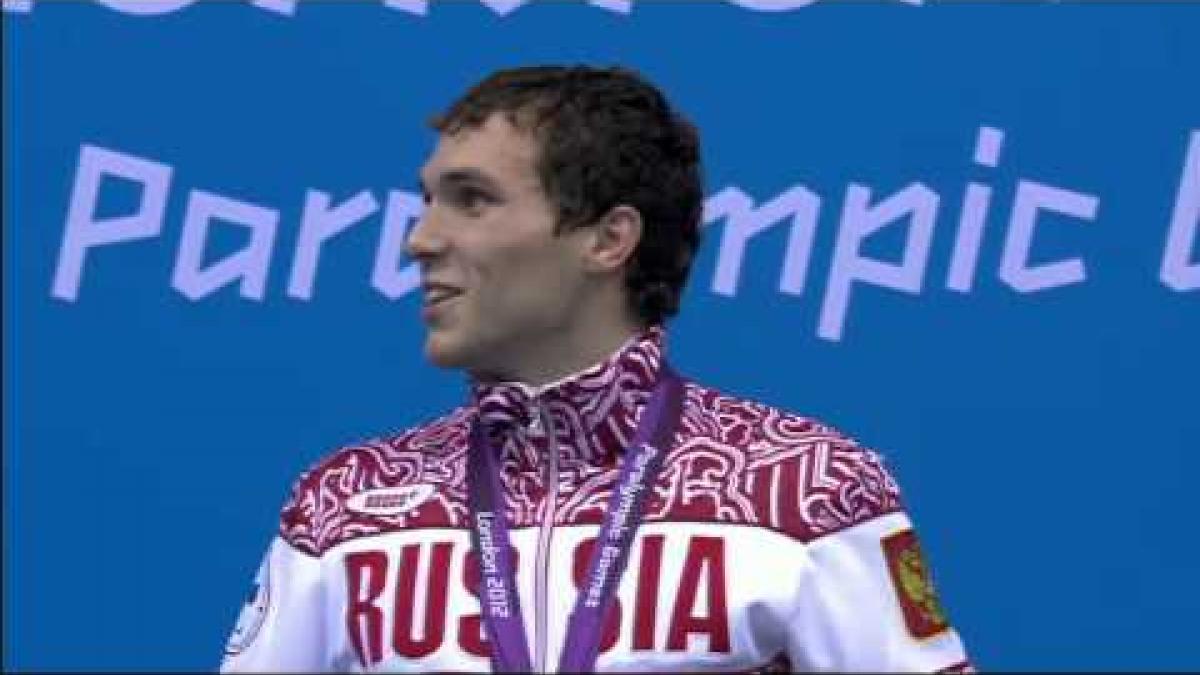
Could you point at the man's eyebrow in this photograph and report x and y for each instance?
(463, 175)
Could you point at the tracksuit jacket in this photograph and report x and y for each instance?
(770, 542)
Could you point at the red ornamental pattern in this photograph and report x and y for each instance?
(733, 461)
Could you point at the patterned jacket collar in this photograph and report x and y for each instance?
(593, 412)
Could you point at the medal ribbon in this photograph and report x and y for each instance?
(498, 598)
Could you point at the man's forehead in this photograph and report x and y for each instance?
(495, 148)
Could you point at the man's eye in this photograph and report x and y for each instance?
(471, 198)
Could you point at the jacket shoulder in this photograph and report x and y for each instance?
(426, 459)
(786, 471)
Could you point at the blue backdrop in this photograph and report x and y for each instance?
(964, 233)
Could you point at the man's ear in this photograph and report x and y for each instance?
(613, 239)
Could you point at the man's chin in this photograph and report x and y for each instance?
(445, 353)
(440, 356)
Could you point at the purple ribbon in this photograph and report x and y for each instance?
(499, 602)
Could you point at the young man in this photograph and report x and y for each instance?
(587, 509)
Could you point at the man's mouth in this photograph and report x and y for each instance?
(436, 294)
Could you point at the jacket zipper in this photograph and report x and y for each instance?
(541, 584)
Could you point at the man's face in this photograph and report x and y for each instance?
(499, 285)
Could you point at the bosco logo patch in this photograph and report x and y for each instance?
(390, 501)
(923, 613)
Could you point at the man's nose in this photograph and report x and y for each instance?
(423, 240)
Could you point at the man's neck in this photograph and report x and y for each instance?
(549, 365)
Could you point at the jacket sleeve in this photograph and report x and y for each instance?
(865, 603)
(281, 626)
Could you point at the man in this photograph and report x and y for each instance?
(587, 509)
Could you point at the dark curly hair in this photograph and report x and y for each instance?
(608, 137)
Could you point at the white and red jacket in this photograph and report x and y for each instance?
(771, 543)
